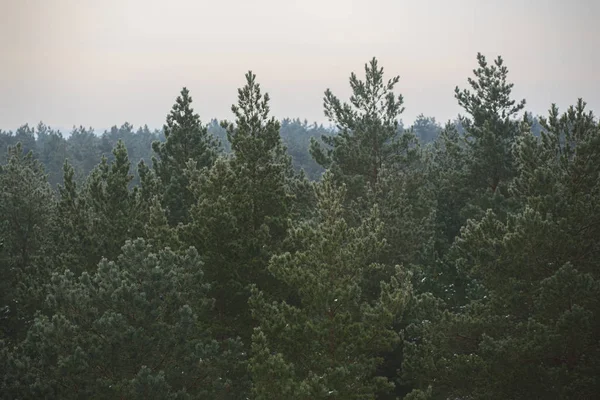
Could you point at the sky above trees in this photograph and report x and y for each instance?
(67, 62)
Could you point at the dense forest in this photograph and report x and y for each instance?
(264, 259)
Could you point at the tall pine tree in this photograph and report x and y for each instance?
(243, 204)
(185, 139)
(368, 130)
(327, 343)
(26, 218)
(490, 126)
(114, 215)
(530, 329)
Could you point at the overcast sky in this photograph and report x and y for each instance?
(103, 62)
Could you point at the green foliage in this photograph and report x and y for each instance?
(489, 125)
(134, 328)
(531, 329)
(156, 228)
(112, 205)
(368, 126)
(426, 129)
(429, 263)
(83, 150)
(448, 172)
(243, 203)
(327, 343)
(242, 209)
(380, 164)
(186, 139)
(26, 215)
(74, 235)
(405, 197)
(297, 136)
(52, 151)
(471, 166)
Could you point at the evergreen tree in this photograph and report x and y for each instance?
(368, 126)
(243, 205)
(530, 330)
(261, 160)
(26, 217)
(405, 197)
(157, 231)
(138, 143)
(112, 205)
(26, 136)
(186, 139)
(150, 185)
(73, 235)
(327, 343)
(467, 169)
(7, 140)
(135, 328)
(447, 170)
(52, 151)
(379, 163)
(490, 128)
(83, 149)
(152, 216)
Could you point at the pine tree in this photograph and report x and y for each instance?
(73, 235)
(406, 198)
(52, 151)
(26, 136)
(84, 151)
(242, 210)
(379, 163)
(152, 216)
(531, 326)
(134, 328)
(26, 218)
(260, 159)
(490, 128)
(367, 137)
(112, 205)
(466, 169)
(327, 343)
(157, 231)
(186, 139)
(447, 170)
(150, 185)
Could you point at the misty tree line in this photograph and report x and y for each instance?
(266, 259)
(84, 148)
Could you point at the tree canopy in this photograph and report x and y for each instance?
(261, 258)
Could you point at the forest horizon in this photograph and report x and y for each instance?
(263, 258)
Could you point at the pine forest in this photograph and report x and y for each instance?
(264, 258)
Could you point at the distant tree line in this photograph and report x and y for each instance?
(84, 147)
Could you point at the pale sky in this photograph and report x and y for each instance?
(100, 63)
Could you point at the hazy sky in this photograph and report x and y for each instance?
(103, 62)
